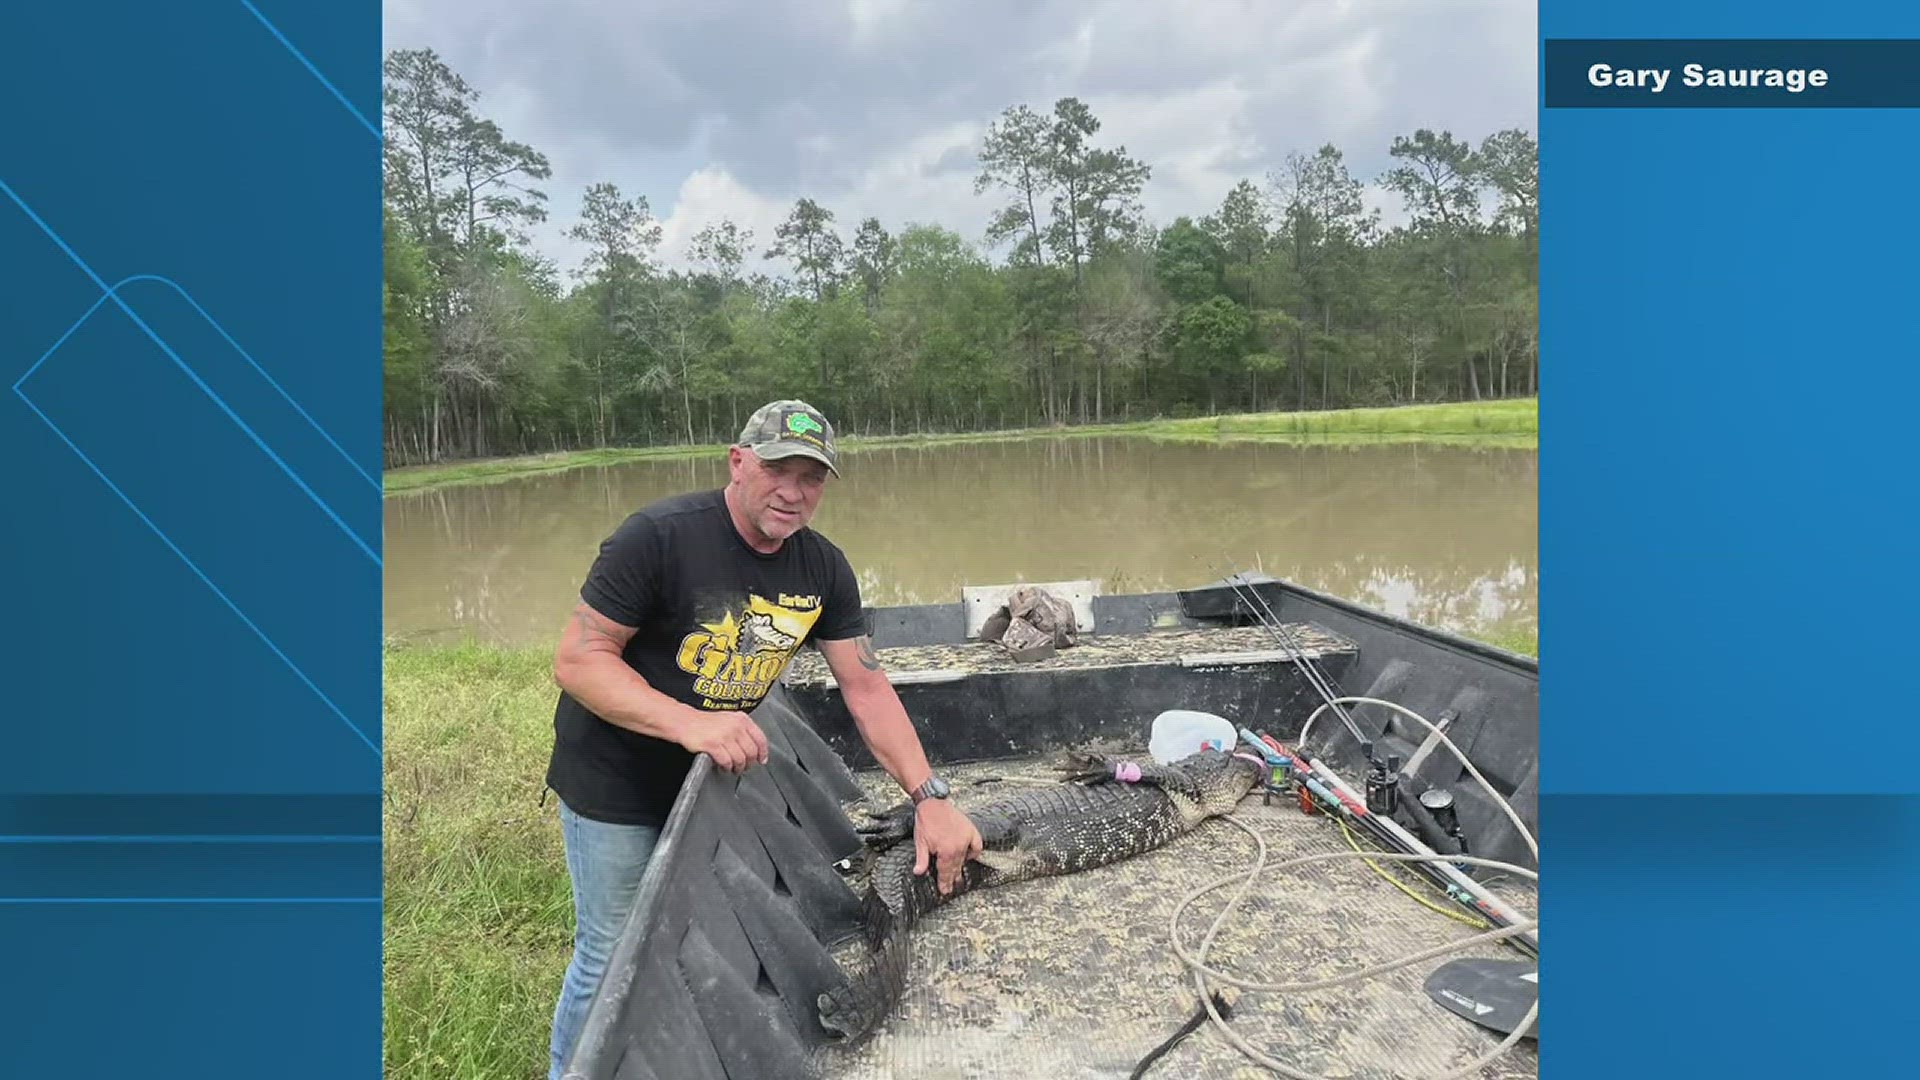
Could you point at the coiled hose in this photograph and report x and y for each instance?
(1201, 972)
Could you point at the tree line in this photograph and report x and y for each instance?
(1291, 295)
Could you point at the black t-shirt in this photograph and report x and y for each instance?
(718, 622)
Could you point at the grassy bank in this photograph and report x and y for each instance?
(1524, 642)
(478, 910)
(1501, 423)
(479, 919)
(1491, 423)
(415, 478)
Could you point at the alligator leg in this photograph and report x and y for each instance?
(888, 826)
(1094, 769)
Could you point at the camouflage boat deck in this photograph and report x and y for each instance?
(1073, 977)
(808, 668)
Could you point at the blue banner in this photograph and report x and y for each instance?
(1616, 74)
(190, 773)
(1724, 454)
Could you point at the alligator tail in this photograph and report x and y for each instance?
(896, 899)
(851, 1010)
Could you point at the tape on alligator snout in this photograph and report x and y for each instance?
(1127, 772)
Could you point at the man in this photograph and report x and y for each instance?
(686, 619)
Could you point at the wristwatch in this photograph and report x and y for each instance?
(934, 788)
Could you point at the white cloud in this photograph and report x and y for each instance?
(906, 185)
(877, 107)
(1393, 209)
(914, 183)
(1198, 144)
(872, 19)
(708, 197)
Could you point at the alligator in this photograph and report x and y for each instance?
(1107, 809)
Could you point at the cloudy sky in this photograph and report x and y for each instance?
(735, 108)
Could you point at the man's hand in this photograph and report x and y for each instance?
(941, 831)
(942, 835)
(732, 739)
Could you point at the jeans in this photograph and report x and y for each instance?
(605, 862)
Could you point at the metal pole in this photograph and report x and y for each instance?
(1414, 846)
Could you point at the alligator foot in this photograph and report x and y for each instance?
(1106, 769)
(888, 826)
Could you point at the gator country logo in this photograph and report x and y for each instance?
(735, 660)
(801, 424)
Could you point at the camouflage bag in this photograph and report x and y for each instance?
(1032, 624)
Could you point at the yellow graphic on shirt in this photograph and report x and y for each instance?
(735, 661)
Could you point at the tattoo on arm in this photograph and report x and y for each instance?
(593, 633)
(864, 650)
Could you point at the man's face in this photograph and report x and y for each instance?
(777, 498)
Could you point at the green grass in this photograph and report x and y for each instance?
(1524, 642)
(1514, 423)
(414, 478)
(479, 919)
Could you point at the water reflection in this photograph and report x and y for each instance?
(1445, 536)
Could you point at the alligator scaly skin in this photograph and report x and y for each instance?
(1089, 821)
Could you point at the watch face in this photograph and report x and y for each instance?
(935, 788)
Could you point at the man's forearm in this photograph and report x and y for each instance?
(617, 694)
(888, 732)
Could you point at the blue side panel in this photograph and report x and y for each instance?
(190, 349)
(1729, 824)
(1725, 416)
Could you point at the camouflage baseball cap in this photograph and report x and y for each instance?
(781, 429)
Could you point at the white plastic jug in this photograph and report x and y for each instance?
(1179, 733)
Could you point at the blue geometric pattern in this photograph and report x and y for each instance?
(308, 64)
(190, 774)
(113, 293)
